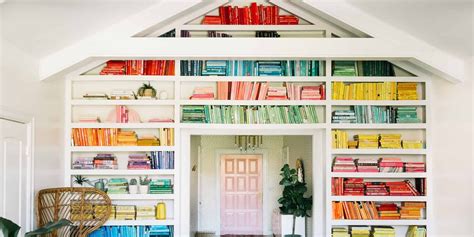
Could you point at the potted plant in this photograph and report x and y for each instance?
(144, 183)
(11, 229)
(133, 186)
(147, 91)
(293, 202)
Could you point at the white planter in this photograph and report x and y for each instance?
(282, 225)
(143, 189)
(133, 189)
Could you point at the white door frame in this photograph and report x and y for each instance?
(319, 164)
(29, 121)
(217, 160)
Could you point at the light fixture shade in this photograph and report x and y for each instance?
(248, 142)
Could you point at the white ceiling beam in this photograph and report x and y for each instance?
(249, 48)
(126, 28)
(434, 60)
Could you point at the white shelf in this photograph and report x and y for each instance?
(120, 148)
(306, 79)
(379, 102)
(376, 79)
(253, 102)
(139, 78)
(251, 126)
(380, 151)
(139, 222)
(378, 175)
(123, 125)
(251, 28)
(378, 222)
(378, 126)
(379, 198)
(97, 172)
(121, 102)
(142, 196)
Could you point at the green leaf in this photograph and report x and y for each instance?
(49, 227)
(9, 228)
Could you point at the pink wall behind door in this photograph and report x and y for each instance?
(241, 194)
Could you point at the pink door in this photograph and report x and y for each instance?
(241, 194)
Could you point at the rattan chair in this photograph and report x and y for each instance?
(87, 208)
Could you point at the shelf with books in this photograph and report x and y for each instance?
(368, 68)
(121, 172)
(120, 148)
(379, 222)
(134, 67)
(379, 102)
(251, 28)
(394, 126)
(414, 79)
(380, 198)
(139, 222)
(378, 175)
(123, 78)
(123, 102)
(363, 114)
(142, 196)
(123, 125)
(308, 79)
(251, 127)
(253, 102)
(379, 151)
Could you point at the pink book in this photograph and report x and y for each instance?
(263, 91)
(256, 87)
(248, 90)
(241, 93)
(234, 87)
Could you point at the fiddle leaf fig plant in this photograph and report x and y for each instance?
(293, 200)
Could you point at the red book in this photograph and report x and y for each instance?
(228, 11)
(222, 14)
(254, 13)
(275, 13)
(211, 20)
(246, 16)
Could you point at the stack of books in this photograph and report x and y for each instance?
(344, 116)
(161, 186)
(105, 161)
(166, 136)
(145, 213)
(354, 211)
(344, 68)
(407, 91)
(340, 231)
(133, 231)
(339, 139)
(89, 119)
(375, 189)
(412, 144)
(112, 212)
(94, 136)
(148, 140)
(391, 141)
(125, 212)
(416, 231)
(203, 93)
(364, 91)
(367, 141)
(224, 114)
(402, 188)
(113, 67)
(249, 68)
(344, 164)
(127, 138)
(160, 230)
(388, 211)
(138, 161)
(162, 159)
(83, 163)
(353, 187)
(412, 210)
(367, 165)
(123, 95)
(299, 92)
(391, 165)
(96, 96)
(377, 68)
(383, 231)
(360, 231)
(276, 93)
(407, 114)
(415, 167)
(117, 186)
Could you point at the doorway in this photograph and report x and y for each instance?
(241, 194)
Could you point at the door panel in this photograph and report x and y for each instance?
(241, 194)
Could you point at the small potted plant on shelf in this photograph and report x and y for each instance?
(144, 183)
(293, 203)
(146, 91)
(133, 186)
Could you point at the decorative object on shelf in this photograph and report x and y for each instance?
(100, 184)
(300, 169)
(146, 91)
(293, 202)
(80, 180)
(88, 208)
(245, 143)
(163, 95)
(133, 186)
(144, 185)
(123, 95)
(161, 211)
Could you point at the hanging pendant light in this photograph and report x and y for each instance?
(246, 142)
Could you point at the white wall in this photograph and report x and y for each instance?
(194, 195)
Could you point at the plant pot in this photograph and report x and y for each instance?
(133, 189)
(149, 92)
(287, 224)
(143, 189)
